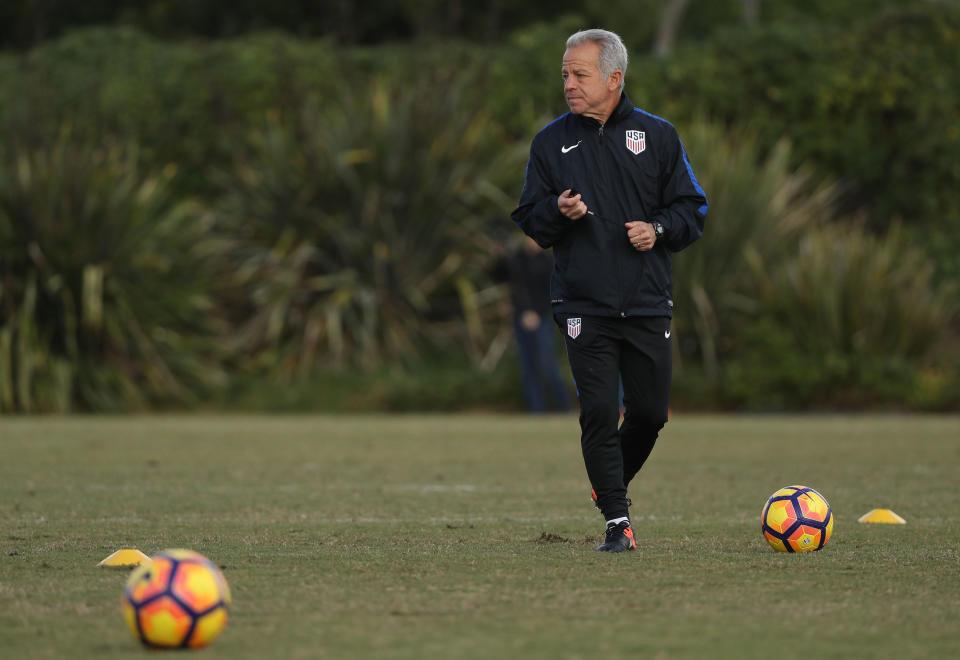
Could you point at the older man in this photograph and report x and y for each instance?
(609, 187)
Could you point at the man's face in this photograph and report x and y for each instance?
(584, 88)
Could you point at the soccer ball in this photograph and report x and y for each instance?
(796, 519)
(177, 599)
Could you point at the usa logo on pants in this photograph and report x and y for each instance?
(636, 141)
(573, 327)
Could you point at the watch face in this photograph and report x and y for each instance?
(658, 228)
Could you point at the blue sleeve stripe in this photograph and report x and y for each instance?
(696, 184)
(650, 114)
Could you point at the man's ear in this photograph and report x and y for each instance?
(613, 80)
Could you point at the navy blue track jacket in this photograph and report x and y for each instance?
(631, 168)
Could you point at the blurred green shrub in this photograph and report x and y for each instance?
(759, 205)
(102, 296)
(441, 383)
(353, 231)
(848, 319)
(183, 103)
(783, 305)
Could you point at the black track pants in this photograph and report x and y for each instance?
(601, 350)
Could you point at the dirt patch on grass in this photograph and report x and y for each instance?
(550, 538)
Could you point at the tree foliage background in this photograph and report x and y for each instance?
(297, 205)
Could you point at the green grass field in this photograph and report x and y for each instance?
(473, 537)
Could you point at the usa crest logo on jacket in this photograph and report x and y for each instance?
(636, 141)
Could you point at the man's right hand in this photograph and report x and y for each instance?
(570, 205)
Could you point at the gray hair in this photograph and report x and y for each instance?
(613, 54)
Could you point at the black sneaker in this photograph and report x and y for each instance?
(619, 538)
(593, 497)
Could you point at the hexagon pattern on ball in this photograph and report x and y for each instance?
(179, 599)
(796, 519)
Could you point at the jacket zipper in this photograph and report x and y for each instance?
(616, 256)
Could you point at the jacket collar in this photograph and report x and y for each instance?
(623, 110)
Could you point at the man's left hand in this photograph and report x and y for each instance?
(641, 235)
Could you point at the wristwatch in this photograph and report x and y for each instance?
(658, 229)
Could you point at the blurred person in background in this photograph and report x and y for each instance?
(610, 189)
(527, 269)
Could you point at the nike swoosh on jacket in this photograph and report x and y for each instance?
(597, 271)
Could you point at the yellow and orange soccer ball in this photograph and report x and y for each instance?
(796, 519)
(178, 599)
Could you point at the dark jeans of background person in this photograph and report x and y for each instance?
(543, 386)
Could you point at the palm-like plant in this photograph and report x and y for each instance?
(849, 318)
(101, 290)
(782, 300)
(845, 291)
(759, 205)
(352, 229)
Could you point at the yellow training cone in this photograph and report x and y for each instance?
(126, 558)
(881, 516)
